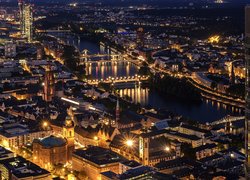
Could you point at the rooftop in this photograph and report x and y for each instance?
(194, 128)
(4, 153)
(22, 168)
(131, 163)
(98, 155)
(52, 141)
(176, 163)
(110, 174)
(206, 146)
(137, 172)
(181, 135)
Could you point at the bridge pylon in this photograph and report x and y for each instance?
(85, 52)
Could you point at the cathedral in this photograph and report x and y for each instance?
(55, 149)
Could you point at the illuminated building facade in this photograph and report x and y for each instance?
(247, 111)
(17, 136)
(154, 147)
(95, 160)
(26, 20)
(144, 150)
(21, 16)
(53, 150)
(49, 151)
(69, 134)
(49, 85)
(19, 168)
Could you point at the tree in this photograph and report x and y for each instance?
(149, 58)
(214, 85)
(188, 150)
(71, 57)
(237, 90)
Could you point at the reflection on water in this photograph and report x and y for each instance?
(111, 69)
(137, 94)
(206, 111)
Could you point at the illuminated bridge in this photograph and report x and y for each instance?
(53, 31)
(85, 57)
(103, 62)
(113, 80)
(101, 59)
(227, 119)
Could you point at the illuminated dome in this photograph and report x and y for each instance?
(53, 141)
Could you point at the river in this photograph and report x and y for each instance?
(206, 111)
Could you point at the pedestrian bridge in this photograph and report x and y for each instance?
(227, 119)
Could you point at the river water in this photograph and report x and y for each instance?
(206, 111)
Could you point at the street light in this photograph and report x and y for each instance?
(45, 124)
(129, 143)
(95, 138)
(167, 149)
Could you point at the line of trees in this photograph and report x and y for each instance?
(173, 87)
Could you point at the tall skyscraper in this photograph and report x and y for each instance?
(140, 37)
(21, 11)
(28, 17)
(247, 111)
(26, 20)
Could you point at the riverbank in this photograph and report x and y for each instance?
(149, 97)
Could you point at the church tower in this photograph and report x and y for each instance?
(117, 113)
(232, 74)
(49, 84)
(68, 133)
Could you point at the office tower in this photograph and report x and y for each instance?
(140, 37)
(247, 111)
(26, 20)
(21, 11)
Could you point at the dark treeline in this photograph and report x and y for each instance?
(178, 88)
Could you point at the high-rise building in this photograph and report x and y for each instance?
(49, 84)
(247, 111)
(21, 11)
(10, 49)
(26, 20)
(140, 37)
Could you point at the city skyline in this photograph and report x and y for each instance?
(109, 90)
